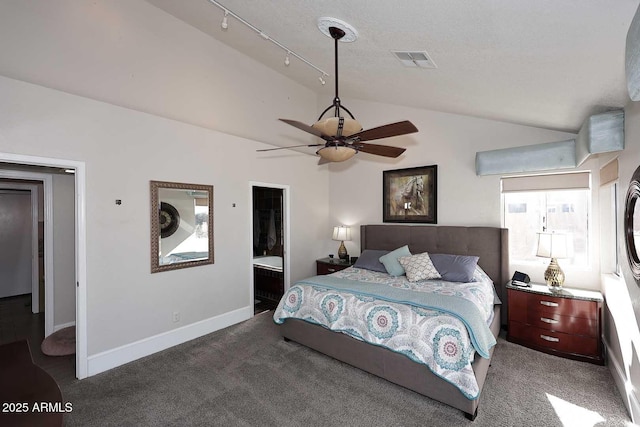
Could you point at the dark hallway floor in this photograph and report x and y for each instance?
(17, 323)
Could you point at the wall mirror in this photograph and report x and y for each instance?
(181, 225)
(632, 225)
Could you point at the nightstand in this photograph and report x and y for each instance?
(565, 323)
(331, 265)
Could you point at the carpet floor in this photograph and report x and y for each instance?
(247, 375)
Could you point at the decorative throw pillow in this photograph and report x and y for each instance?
(419, 267)
(390, 261)
(455, 268)
(369, 259)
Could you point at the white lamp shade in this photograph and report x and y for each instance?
(341, 233)
(553, 245)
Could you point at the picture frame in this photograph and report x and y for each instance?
(410, 195)
(181, 225)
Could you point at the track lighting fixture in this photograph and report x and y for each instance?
(322, 80)
(225, 24)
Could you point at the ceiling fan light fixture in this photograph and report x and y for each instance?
(344, 136)
(329, 126)
(336, 153)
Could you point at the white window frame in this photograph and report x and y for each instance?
(553, 182)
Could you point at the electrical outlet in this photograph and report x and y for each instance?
(176, 316)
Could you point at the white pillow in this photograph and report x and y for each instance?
(419, 267)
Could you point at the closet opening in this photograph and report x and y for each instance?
(268, 247)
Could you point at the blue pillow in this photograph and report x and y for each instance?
(391, 263)
(369, 259)
(455, 268)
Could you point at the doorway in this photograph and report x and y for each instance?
(21, 263)
(269, 243)
(23, 167)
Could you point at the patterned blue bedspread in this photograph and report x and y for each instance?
(434, 337)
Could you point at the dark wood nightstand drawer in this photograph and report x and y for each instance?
(329, 265)
(567, 324)
(329, 268)
(556, 341)
(523, 302)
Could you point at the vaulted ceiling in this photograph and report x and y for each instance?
(543, 63)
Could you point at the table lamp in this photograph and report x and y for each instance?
(342, 233)
(554, 246)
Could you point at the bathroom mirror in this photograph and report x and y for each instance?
(632, 225)
(181, 225)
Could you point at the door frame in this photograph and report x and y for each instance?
(35, 264)
(81, 241)
(286, 219)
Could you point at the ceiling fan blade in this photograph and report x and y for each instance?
(386, 131)
(306, 128)
(379, 150)
(292, 146)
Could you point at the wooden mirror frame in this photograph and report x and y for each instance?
(633, 194)
(155, 186)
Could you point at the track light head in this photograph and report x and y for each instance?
(322, 80)
(225, 22)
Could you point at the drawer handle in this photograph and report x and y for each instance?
(551, 321)
(549, 303)
(331, 270)
(548, 338)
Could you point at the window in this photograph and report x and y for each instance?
(609, 256)
(547, 203)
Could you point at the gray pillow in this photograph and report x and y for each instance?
(455, 268)
(369, 260)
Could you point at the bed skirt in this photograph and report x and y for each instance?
(392, 366)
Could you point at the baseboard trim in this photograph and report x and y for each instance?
(620, 378)
(56, 328)
(110, 359)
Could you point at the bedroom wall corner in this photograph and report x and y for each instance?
(622, 293)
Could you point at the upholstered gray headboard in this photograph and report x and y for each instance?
(491, 244)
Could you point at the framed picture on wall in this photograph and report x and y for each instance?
(410, 195)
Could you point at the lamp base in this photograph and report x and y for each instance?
(342, 251)
(554, 276)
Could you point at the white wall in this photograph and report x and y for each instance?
(64, 256)
(139, 60)
(622, 294)
(123, 151)
(15, 251)
(447, 140)
(132, 54)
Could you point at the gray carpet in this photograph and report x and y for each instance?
(246, 375)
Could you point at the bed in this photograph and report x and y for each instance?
(404, 368)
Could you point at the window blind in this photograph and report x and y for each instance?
(609, 172)
(558, 181)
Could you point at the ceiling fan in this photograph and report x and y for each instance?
(343, 136)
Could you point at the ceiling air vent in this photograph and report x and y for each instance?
(415, 59)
